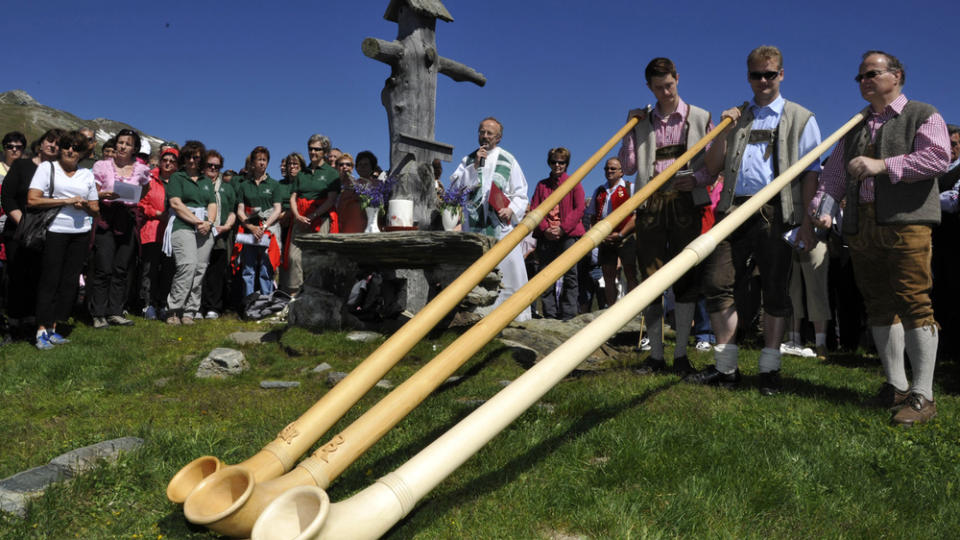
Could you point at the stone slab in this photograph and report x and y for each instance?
(83, 459)
(269, 385)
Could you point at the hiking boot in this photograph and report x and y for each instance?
(150, 313)
(119, 320)
(173, 320)
(212, 315)
(100, 323)
(186, 319)
(650, 365)
(888, 398)
(821, 352)
(770, 383)
(916, 410)
(710, 375)
(681, 366)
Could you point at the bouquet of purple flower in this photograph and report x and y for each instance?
(375, 193)
(455, 199)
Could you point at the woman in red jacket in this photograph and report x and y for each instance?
(152, 214)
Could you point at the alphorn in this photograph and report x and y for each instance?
(230, 500)
(279, 455)
(306, 512)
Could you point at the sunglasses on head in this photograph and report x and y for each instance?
(763, 75)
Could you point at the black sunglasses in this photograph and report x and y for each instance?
(767, 75)
(870, 74)
(315, 148)
(215, 166)
(555, 162)
(14, 147)
(611, 168)
(72, 146)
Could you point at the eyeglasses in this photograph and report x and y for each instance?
(193, 157)
(214, 166)
(764, 75)
(870, 74)
(344, 164)
(14, 147)
(315, 148)
(611, 168)
(555, 162)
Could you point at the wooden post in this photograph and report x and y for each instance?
(410, 97)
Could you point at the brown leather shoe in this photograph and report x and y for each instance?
(916, 410)
(888, 398)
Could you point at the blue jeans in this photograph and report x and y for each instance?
(256, 267)
(701, 324)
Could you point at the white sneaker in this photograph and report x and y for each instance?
(793, 349)
(211, 315)
(704, 346)
(645, 344)
(198, 316)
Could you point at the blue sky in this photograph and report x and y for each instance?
(240, 74)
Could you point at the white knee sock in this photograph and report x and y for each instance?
(769, 360)
(725, 357)
(683, 315)
(921, 346)
(889, 342)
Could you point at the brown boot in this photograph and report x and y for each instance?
(916, 410)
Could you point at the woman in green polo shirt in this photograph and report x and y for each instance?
(258, 211)
(193, 202)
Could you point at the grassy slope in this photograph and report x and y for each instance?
(613, 455)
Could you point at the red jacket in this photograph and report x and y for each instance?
(571, 207)
(152, 211)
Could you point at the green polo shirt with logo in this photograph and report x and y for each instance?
(317, 184)
(282, 195)
(193, 194)
(228, 202)
(257, 197)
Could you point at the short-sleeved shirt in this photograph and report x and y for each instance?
(317, 184)
(69, 220)
(282, 195)
(228, 201)
(192, 194)
(257, 197)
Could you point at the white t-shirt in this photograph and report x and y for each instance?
(69, 220)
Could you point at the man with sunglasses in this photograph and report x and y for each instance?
(765, 139)
(670, 218)
(886, 169)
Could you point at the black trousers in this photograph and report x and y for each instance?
(156, 274)
(113, 255)
(23, 275)
(64, 255)
(215, 281)
(568, 307)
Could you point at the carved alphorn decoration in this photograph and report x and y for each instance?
(295, 439)
(373, 511)
(229, 501)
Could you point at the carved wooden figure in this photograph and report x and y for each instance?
(410, 97)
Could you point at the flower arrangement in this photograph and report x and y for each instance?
(455, 199)
(375, 193)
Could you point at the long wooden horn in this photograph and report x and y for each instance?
(295, 439)
(230, 500)
(373, 511)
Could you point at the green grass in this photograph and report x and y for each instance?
(614, 455)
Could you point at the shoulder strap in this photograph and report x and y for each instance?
(50, 195)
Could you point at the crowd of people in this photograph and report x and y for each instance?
(170, 235)
(173, 236)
